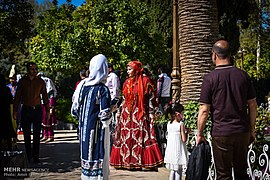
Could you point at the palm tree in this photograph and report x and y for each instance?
(198, 30)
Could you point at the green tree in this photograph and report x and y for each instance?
(67, 39)
(51, 48)
(120, 31)
(15, 28)
(230, 14)
(160, 16)
(41, 7)
(259, 27)
(254, 50)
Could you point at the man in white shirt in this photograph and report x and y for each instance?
(113, 83)
(163, 89)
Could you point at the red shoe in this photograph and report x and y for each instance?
(19, 132)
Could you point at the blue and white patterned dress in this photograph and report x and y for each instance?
(94, 115)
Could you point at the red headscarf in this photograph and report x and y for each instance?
(137, 67)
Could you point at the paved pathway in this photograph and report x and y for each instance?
(60, 160)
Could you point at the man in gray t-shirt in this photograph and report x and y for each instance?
(227, 92)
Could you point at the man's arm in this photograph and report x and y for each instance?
(201, 122)
(252, 111)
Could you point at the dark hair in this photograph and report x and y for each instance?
(29, 64)
(222, 52)
(83, 73)
(110, 66)
(161, 68)
(117, 72)
(171, 108)
(146, 71)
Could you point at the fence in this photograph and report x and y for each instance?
(261, 172)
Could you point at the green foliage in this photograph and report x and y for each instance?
(52, 47)
(63, 111)
(161, 119)
(160, 16)
(119, 30)
(15, 28)
(191, 115)
(262, 123)
(67, 38)
(15, 22)
(257, 31)
(230, 14)
(249, 42)
(255, 41)
(66, 84)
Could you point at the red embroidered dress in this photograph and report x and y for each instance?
(135, 144)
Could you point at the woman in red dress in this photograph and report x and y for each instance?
(135, 145)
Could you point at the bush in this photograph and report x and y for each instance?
(63, 111)
(191, 116)
(262, 123)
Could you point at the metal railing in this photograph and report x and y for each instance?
(261, 172)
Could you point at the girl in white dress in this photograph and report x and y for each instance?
(176, 151)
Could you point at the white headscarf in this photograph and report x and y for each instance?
(98, 70)
(98, 74)
(49, 84)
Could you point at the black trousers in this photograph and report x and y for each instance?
(231, 151)
(163, 101)
(31, 115)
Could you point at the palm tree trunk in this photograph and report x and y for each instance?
(198, 30)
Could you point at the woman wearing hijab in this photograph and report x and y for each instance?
(49, 124)
(92, 106)
(135, 145)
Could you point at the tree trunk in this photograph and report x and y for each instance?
(198, 30)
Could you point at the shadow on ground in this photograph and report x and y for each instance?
(58, 157)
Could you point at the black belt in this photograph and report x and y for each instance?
(32, 107)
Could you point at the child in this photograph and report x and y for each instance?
(176, 151)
